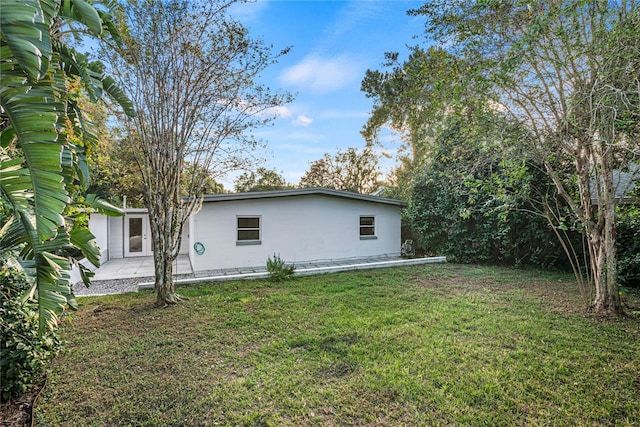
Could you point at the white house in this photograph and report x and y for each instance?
(126, 236)
(244, 229)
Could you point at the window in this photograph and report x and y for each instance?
(248, 230)
(367, 227)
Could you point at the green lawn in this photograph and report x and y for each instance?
(428, 345)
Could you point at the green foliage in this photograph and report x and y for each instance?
(24, 354)
(410, 97)
(430, 345)
(351, 170)
(114, 171)
(278, 270)
(628, 239)
(45, 136)
(115, 174)
(262, 179)
(472, 205)
(566, 71)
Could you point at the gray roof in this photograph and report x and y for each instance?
(316, 191)
(624, 184)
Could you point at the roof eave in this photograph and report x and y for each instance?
(226, 197)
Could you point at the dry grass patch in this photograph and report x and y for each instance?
(559, 292)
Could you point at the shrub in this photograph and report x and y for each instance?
(278, 270)
(628, 239)
(24, 355)
(462, 218)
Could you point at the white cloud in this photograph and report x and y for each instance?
(302, 120)
(278, 112)
(323, 75)
(354, 14)
(248, 11)
(281, 111)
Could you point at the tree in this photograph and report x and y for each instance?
(209, 184)
(352, 170)
(432, 98)
(191, 73)
(113, 166)
(471, 200)
(414, 98)
(44, 139)
(411, 96)
(262, 179)
(568, 72)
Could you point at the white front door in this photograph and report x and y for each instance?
(137, 240)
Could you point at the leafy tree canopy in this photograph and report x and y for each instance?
(192, 72)
(351, 170)
(565, 72)
(262, 179)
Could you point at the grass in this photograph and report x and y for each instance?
(429, 345)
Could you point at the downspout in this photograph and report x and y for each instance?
(124, 219)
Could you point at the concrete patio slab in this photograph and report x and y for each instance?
(128, 268)
(132, 274)
(306, 270)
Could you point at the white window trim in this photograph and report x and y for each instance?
(367, 236)
(259, 228)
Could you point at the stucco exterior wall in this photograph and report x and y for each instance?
(99, 226)
(109, 232)
(116, 233)
(184, 243)
(299, 229)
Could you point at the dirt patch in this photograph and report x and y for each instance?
(19, 412)
(563, 296)
(337, 369)
(560, 296)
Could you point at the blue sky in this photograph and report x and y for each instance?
(333, 43)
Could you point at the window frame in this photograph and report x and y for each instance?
(246, 242)
(371, 227)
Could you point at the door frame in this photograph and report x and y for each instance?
(146, 248)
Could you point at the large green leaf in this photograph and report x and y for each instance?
(109, 25)
(33, 113)
(53, 279)
(102, 206)
(12, 234)
(83, 12)
(50, 196)
(51, 294)
(52, 286)
(36, 192)
(84, 240)
(25, 27)
(15, 182)
(35, 68)
(110, 86)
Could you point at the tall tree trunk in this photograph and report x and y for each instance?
(607, 296)
(165, 288)
(601, 229)
(597, 215)
(166, 232)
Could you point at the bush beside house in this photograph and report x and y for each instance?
(24, 354)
